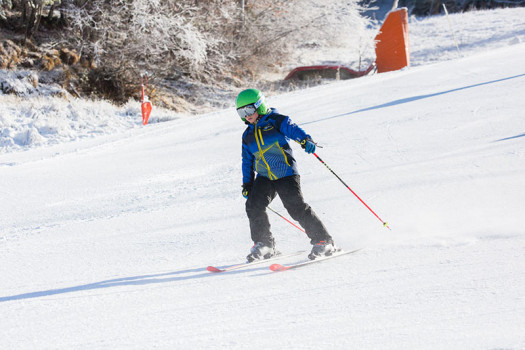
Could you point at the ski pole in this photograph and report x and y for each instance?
(291, 223)
(385, 224)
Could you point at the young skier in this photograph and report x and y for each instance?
(266, 151)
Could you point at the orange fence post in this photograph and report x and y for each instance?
(392, 48)
(145, 104)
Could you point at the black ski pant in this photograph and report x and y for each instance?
(288, 188)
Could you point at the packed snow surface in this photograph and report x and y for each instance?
(105, 240)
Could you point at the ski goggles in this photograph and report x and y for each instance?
(248, 110)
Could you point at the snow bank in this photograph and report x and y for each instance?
(34, 116)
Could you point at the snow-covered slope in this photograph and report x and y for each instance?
(104, 241)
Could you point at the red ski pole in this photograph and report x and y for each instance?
(291, 223)
(385, 224)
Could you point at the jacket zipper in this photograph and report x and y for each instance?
(257, 130)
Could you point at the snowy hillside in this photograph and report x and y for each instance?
(105, 240)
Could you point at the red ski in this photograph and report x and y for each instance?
(256, 262)
(279, 267)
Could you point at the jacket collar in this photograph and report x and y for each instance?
(262, 118)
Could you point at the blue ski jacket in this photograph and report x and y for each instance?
(265, 147)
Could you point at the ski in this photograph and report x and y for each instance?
(279, 267)
(256, 262)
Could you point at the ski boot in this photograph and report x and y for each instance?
(321, 249)
(260, 251)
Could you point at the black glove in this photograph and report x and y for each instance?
(246, 188)
(308, 145)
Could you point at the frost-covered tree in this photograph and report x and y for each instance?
(31, 12)
(211, 42)
(284, 28)
(200, 38)
(165, 38)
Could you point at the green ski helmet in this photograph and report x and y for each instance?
(252, 100)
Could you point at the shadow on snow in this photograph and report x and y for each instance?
(126, 281)
(510, 138)
(415, 98)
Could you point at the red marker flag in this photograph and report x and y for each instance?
(145, 103)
